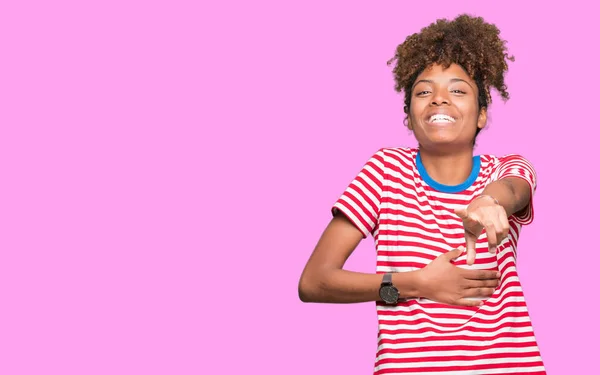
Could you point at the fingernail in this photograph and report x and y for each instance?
(498, 274)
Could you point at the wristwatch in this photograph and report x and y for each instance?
(388, 292)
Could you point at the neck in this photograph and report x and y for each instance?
(448, 169)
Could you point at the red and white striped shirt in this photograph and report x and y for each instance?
(412, 220)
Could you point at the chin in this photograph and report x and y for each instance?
(440, 140)
(442, 143)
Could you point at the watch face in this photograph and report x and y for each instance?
(389, 294)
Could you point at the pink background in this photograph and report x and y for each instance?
(166, 169)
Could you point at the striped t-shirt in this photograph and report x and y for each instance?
(412, 220)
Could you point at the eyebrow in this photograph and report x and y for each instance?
(452, 81)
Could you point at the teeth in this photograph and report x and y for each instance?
(441, 118)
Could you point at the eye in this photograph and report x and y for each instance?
(458, 92)
(422, 92)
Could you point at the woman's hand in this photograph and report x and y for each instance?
(442, 281)
(481, 213)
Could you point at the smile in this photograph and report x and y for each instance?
(441, 119)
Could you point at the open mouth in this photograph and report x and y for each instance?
(441, 119)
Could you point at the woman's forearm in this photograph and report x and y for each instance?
(342, 286)
(512, 193)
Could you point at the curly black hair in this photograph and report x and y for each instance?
(467, 41)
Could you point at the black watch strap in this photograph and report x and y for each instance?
(387, 279)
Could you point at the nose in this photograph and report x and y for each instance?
(439, 98)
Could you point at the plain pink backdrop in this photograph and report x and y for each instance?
(167, 167)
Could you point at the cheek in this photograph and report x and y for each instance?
(468, 109)
(417, 107)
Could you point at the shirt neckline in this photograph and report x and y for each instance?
(449, 188)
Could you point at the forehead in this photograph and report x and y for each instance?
(437, 73)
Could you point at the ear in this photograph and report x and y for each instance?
(407, 119)
(482, 119)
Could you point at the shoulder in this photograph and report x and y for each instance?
(513, 160)
(395, 158)
(398, 150)
(509, 165)
(399, 153)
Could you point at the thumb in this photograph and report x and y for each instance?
(471, 250)
(453, 254)
(461, 212)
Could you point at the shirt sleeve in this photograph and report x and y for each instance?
(361, 200)
(517, 166)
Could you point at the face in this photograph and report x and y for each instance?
(444, 111)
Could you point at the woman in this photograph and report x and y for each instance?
(445, 222)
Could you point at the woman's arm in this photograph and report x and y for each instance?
(325, 280)
(512, 193)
